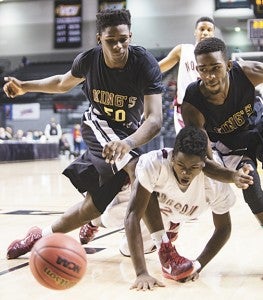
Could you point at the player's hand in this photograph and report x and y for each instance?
(195, 273)
(146, 282)
(115, 150)
(192, 277)
(242, 179)
(13, 87)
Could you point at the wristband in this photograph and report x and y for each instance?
(197, 265)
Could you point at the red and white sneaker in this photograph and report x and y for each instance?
(23, 246)
(174, 266)
(87, 233)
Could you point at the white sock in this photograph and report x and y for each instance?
(47, 231)
(159, 237)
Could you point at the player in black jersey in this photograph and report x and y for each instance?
(223, 102)
(123, 85)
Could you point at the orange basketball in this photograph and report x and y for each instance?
(58, 261)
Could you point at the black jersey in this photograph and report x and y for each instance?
(227, 121)
(118, 94)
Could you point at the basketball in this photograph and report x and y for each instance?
(58, 261)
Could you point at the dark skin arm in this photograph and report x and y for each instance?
(218, 172)
(193, 117)
(141, 199)
(146, 132)
(253, 70)
(220, 236)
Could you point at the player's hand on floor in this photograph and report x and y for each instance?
(13, 87)
(146, 282)
(192, 277)
(195, 273)
(242, 179)
(115, 150)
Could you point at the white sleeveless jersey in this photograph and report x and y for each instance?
(155, 173)
(187, 70)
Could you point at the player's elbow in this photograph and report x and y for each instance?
(157, 124)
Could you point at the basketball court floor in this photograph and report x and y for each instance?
(35, 193)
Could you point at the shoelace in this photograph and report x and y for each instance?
(31, 240)
(86, 228)
(178, 259)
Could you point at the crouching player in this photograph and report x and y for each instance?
(176, 181)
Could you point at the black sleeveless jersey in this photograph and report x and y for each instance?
(229, 120)
(118, 94)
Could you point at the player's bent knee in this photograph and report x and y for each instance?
(88, 210)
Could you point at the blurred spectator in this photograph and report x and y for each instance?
(36, 135)
(64, 145)
(19, 135)
(9, 132)
(3, 135)
(77, 138)
(29, 136)
(42, 137)
(53, 131)
(24, 61)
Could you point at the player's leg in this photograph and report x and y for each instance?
(111, 217)
(70, 220)
(253, 195)
(174, 266)
(81, 213)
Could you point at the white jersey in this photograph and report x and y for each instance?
(155, 173)
(187, 70)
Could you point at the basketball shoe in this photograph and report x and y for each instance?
(21, 247)
(87, 233)
(174, 266)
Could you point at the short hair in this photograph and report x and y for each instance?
(204, 19)
(191, 140)
(112, 17)
(209, 45)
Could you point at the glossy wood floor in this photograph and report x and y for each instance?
(35, 193)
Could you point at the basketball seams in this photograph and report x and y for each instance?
(64, 248)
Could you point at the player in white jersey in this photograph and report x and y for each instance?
(175, 181)
(184, 54)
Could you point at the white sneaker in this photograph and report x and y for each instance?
(148, 246)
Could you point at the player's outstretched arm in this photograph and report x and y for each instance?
(171, 59)
(136, 208)
(52, 85)
(240, 178)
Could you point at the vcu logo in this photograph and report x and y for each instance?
(71, 265)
